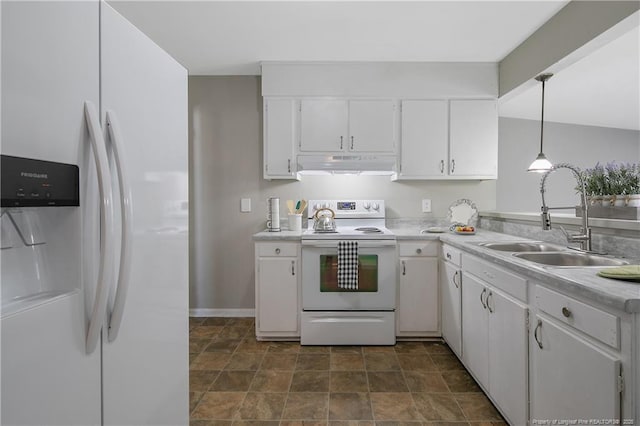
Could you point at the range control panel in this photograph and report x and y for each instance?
(349, 208)
(36, 183)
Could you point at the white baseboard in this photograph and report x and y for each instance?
(222, 312)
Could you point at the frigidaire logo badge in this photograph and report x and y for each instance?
(34, 175)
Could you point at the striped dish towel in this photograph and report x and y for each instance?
(348, 265)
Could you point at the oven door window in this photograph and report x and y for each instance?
(367, 274)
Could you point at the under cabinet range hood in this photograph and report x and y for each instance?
(347, 164)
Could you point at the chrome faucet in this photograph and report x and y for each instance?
(584, 237)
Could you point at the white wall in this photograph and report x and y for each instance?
(226, 165)
(583, 146)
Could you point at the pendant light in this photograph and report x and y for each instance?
(541, 164)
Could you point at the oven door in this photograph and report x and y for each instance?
(376, 277)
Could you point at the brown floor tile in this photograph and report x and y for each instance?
(201, 380)
(346, 349)
(286, 347)
(447, 423)
(488, 423)
(310, 381)
(262, 406)
(303, 423)
(447, 362)
(210, 423)
(350, 406)
(193, 321)
(378, 349)
(315, 349)
(416, 362)
(277, 361)
(192, 357)
(460, 381)
(476, 406)
(229, 332)
(386, 381)
(245, 361)
(250, 344)
(306, 406)
(437, 348)
(223, 345)
(351, 423)
(438, 406)
(204, 331)
(218, 405)
(394, 407)
(410, 348)
(346, 361)
(271, 381)
(381, 361)
(194, 398)
(219, 321)
(233, 381)
(407, 423)
(348, 381)
(210, 361)
(425, 381)
(241, 322)
(197, 345)
(256, 422)
(312, 362)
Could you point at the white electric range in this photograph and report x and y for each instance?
(336, 316)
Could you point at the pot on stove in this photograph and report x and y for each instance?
(324, 220)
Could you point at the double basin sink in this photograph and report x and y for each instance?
(552, 255)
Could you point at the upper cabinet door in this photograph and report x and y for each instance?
(279, 138)
(371, 126)
(323, 125)
(473, 138)
(423, 152)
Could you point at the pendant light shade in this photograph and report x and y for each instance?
(541, 164)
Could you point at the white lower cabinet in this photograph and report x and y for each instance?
(495, 350)
(576, 367)
(277, 290)
(451, 297)
(417, 312)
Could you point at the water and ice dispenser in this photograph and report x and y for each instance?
(41, 225)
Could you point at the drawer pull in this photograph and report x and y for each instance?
(278, 251)
(535, 334)
(419, 250)
(456, 274)
(449, 256)
(566, 312)
(404, 268)
(293, 267)
(484, 291)
(490, 295)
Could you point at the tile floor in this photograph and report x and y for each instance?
(235, 379)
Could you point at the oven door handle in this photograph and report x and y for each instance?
(361, 244)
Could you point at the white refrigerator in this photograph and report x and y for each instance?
(94, 316)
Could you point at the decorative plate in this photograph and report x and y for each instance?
(463, 211)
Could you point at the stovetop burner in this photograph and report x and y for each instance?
(369, 230)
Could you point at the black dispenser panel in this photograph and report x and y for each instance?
(36, 183)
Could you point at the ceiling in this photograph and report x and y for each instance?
(233, 37)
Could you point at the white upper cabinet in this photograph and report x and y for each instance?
(330, 126)
(473, 139)
(279, 137)
(324, 125)
(449, 139)
(424, 139)
(371, 126)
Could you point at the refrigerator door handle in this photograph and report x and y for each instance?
(105, 270)
(124, 273)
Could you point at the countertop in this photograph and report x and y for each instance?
(578, 281)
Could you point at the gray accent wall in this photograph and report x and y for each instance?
(225, 139)
(584, 146)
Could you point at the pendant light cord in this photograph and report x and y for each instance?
(542, 117)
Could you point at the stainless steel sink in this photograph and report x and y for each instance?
(570, 259)
(523, 246)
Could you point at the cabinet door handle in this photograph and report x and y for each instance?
(441, 166)
(449, 256)
(289, 165)
(293, 267)
(535, 334)
(404, 268)
(457, 274)
(278, 250)
(490, 295)
(351, 142)
(341, 140)
(484, 291)
(419, 251)
(566, 312)
(453, 166)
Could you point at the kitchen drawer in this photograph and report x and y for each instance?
(277, 249)
(422, 248)
(512, 284)
(598, 324)
(451, 254)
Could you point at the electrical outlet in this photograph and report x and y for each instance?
(245, 205)
(426, 205)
